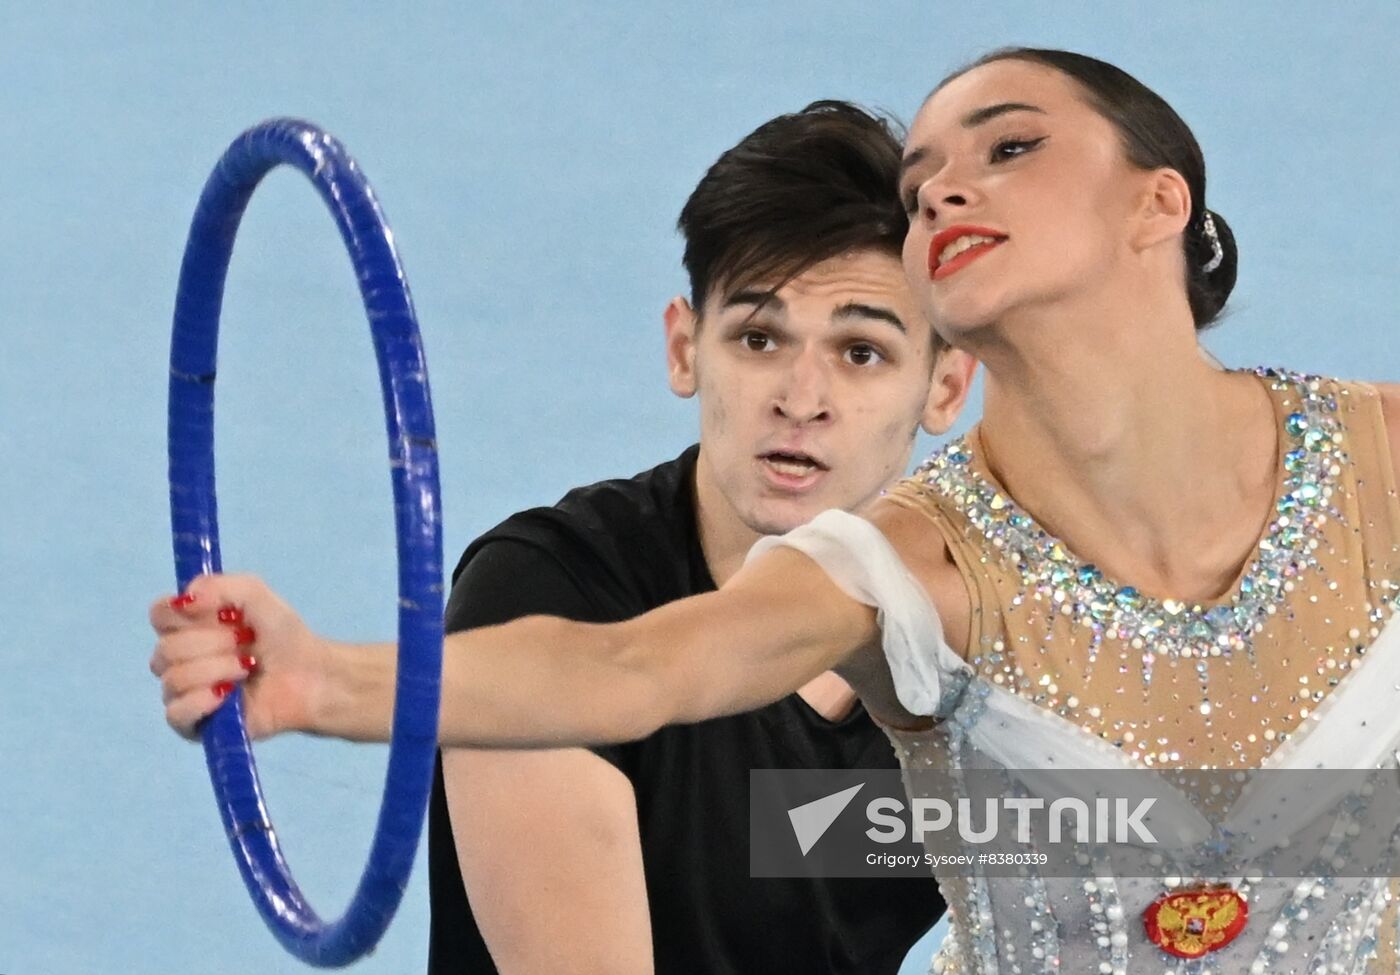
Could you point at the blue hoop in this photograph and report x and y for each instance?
(403, 376)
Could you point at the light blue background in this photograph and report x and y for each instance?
(532, 158)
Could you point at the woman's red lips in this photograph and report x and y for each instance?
(939, 269)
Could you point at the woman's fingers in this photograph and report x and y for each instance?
(206, 619)
(186, 711)
(246, 593)
(201, 673)
(196, 686)
(221, 630)
(170, 613)
(209, 597)
(181, 646)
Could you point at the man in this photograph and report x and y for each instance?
(813, 369)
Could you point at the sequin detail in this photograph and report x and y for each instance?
(1312, 459)
(1108, 924)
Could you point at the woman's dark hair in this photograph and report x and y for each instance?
(798, 190)
(1154, 137)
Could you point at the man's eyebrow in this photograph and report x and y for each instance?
(756, 299)
(857, 309)
(982, 115)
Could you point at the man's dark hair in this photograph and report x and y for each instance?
(798, 190)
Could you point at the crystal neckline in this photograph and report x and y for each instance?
(1311, 449)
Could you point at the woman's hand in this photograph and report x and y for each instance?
(230, 629)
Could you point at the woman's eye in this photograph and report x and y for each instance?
(911, 201)
(864, 355)
(756, 341)
(1011, 148)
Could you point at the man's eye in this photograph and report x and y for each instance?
(756, 341)
(1011, 148)
(864, 355)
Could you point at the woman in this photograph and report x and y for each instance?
(1135, 560)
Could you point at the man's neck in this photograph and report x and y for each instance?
(724, 538)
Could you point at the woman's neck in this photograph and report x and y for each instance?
(1124, 441)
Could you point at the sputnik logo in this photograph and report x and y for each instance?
(811, 820)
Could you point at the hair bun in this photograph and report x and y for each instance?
(1208, 291)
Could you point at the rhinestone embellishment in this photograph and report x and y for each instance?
(1312, 459)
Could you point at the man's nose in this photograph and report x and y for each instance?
(804, 396)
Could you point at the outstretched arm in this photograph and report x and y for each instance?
(536, 682)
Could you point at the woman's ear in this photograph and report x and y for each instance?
(949, 385)
(1165, 208)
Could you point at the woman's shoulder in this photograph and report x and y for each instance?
(910, 523)
(1389, 394)
(905, 519)
(1368, 409)
(1381, 400)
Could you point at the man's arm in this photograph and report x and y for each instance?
(548, 841)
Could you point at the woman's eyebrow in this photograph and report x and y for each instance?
(970, 121)
(911, 159)
(983, 115)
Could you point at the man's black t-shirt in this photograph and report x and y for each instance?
(610, 551)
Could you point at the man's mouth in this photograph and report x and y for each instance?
(792, 464)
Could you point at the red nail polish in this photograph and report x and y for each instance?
(182, 600)
(243, 635)
(248, 662)
(230, 614)
(222, 689)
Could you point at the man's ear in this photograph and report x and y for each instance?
(1165, 208)
(948, 389)
(681, 322)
